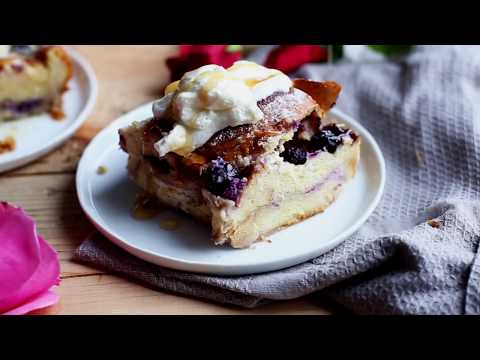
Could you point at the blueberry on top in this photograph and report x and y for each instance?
(234, 189)
(222, 179)
(328, 138)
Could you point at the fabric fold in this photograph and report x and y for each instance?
(472, 299)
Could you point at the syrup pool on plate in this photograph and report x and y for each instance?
(146, 207)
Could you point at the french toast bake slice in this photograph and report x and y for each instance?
(250, 180)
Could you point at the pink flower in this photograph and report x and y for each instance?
(288, 58)
(29, 266)
(191, 57)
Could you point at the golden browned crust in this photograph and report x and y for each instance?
(66, 59)
(56, 110)
(324, 93)
(282, 112)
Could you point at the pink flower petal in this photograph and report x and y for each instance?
(191, 57)
(44, 300)
(288, 58)
(29, 266)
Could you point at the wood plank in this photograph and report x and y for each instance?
(52, 201)
(128, 76)
(108, 294)
(62, 160)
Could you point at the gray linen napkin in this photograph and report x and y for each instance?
(424, 110)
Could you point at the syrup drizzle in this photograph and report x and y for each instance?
(170, 224)
(146, 207)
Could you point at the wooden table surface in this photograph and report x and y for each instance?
(128, 76)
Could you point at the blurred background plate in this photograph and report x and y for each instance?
(35, 136)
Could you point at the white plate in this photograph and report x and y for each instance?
(108, 200)
(35, 136)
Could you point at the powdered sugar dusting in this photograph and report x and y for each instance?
(291, 107)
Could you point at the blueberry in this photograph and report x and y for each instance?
(327, 139)
(219, 175)
(21, 107)
(28, 105)
(234, 189)
(294, 154)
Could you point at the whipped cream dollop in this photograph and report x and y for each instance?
(212, 98)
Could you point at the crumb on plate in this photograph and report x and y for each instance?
(102, 170)
(434, 223)
(8, 144)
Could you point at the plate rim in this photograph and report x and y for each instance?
(216, 269)
(60, 138)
